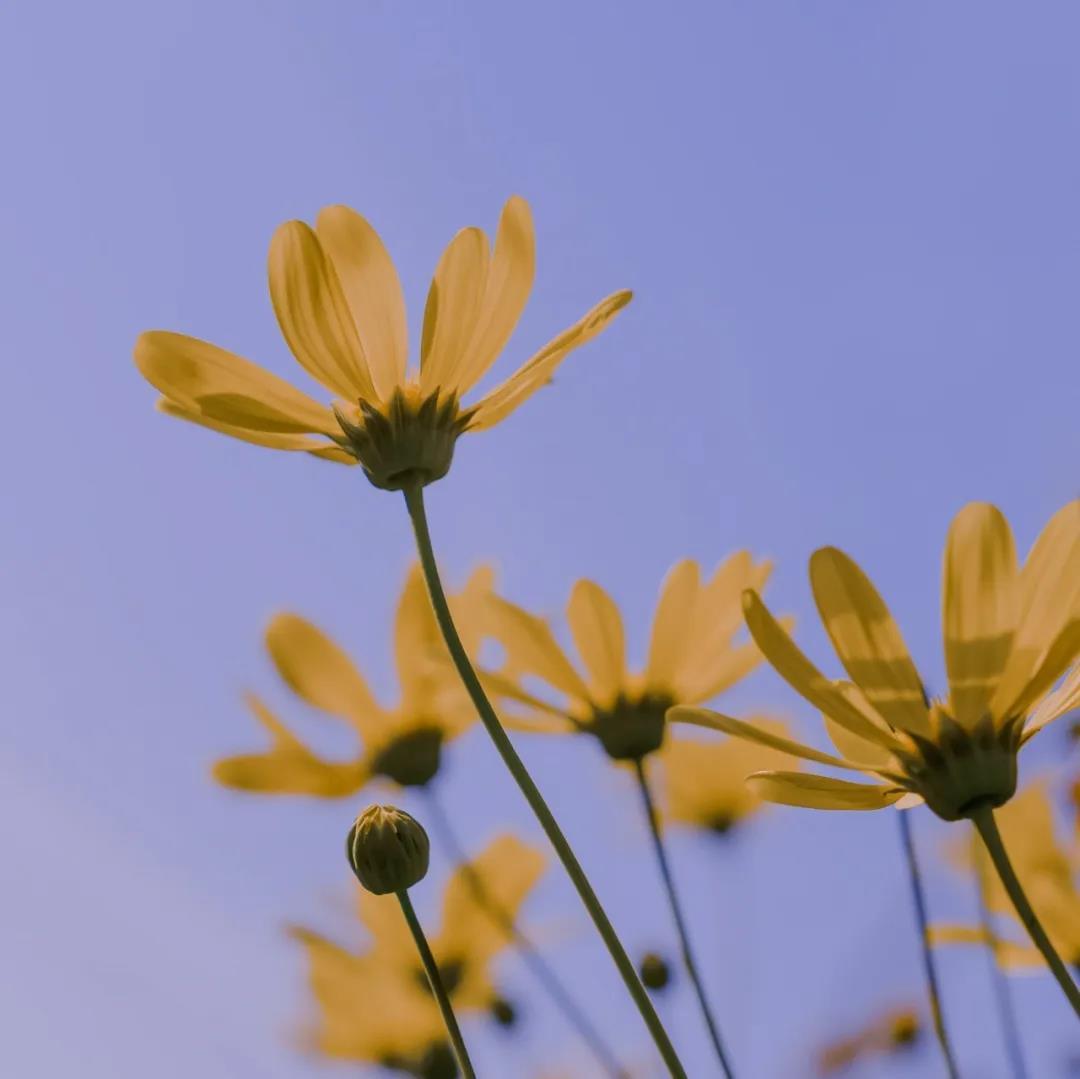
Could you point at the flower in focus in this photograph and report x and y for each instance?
(1048, 871)
(894, 1032)
(692, 658)
(375, 1005)
(402, 745)
(341, 311)
(1010, 634)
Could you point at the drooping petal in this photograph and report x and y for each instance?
(1067, 696)
(852, 746)
(506, 292)
(498, 404)
(372, 290)
(671, 625)
(867, 640)
(270, 439)
(1062, 701)
(598, 634)
(314, 318)
(453, 308)
(318, 671)
(200, 377)
(1049, 598)
(979, 598)
(704, 717)
(820, 792)
(789, 661)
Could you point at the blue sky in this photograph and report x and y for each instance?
(853, 234)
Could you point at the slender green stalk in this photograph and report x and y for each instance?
(929, 966)
(414, 500)
(983, 818)
(1010, 1029)
(680, 921)
(571, 1010)
(442, 998)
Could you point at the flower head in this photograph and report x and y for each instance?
(401, 746)
(375, 1005)
(692, 657)
(339, 304)
(1010, 634)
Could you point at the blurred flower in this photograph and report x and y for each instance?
(401, 745)
(1047, 869)
(1010, 634)
(894, 1032)
(692, 657)
(375, 1006)
(655, 972)
(340, 308)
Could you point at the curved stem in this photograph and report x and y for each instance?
(982, 817)
(1010, 1029)
(414, 500)
(571, 1010)
(929, 966)
(442, 998)
(677, 914)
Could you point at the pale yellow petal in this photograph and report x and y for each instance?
(498, 404)
(314, 318)
(867, 640)
(979, 598)
(732, 667)
(852, 746)
(1062, 701)
(671, 625)
(598, 634)
(453, 308)
(372, 290)
(270, 439)
(820, 792)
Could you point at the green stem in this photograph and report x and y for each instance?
(929, 966)
(571, 1010)
(442, 998)
(1010, 1030)
(983, 818)
(677, 914)
(414, 500)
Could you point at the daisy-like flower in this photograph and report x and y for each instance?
(692, 657)
(339, 304)
(401, 746)
(375, 1006)
(1010, 634)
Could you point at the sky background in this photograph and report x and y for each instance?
(854, 236)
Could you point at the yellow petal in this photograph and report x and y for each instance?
(672, 623)
(820, 792)
(372, 290)
(703, 717)
(318, 671)
(418, 646)
(1049, 597)
(314, 318)
(498, 404)
(867, 640)
(506, 292)
(270, 439)
(979, 595)
(598, 633)
(852, 746)
(785, 656)
(453, 308)
(1062, 701)
(218, 385)
(543, 716)
(389, 933)
(732, 667)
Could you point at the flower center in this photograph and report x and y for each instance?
(452, 971)
(631, 729)
(411, 759)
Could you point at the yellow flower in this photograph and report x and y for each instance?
(692, 657)
(375, 1005)
(339, 304)
(1010, 634)
(401, 745)
(893, 1032)
(1048, 873)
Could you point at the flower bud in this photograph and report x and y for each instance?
(655, 973)
(387, 850)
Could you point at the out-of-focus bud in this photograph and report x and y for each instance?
(503, 1012)
(904, 1028)
(387, 850)
(655, 972)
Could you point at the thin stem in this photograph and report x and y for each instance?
(929, 966)
(983, 818)
(571, 1010)
(677, 913)
(442, 998)
(414, 500)
(1010, 1030)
